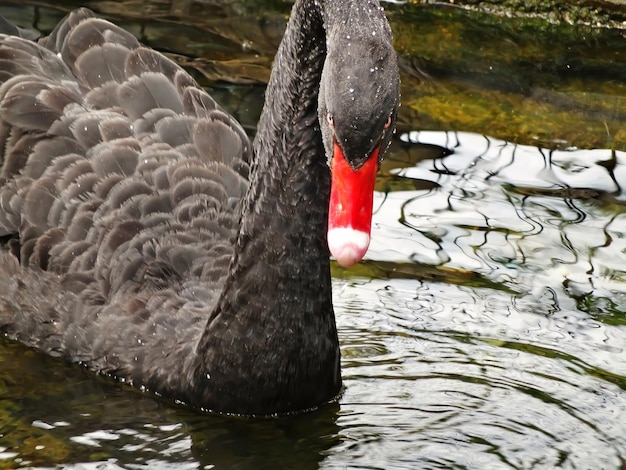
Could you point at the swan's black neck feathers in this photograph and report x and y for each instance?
(140, 237)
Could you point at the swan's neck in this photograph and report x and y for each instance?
(287, 202)
(271, 342)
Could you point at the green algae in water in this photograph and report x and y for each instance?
(523, 79)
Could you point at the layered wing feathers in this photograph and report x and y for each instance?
(118, 172)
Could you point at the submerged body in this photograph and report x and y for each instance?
(144, 236)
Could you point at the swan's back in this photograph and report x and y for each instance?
(120, 187)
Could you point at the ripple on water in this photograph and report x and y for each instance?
(507, 347)
(456, 380)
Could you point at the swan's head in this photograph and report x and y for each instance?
(358, 105)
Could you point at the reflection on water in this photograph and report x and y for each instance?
(486, 330)
(534, 220)
(527, 373)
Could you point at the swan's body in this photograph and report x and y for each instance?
(139, 235)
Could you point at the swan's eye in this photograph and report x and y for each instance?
(388, 123)
(330, 119)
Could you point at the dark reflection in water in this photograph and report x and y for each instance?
(52, 412)
(486, 329)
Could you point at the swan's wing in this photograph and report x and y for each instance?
(119, 172)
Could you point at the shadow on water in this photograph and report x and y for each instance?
(487, 327)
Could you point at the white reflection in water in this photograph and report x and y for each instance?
(516, 359)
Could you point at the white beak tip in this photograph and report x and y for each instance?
(348, 245)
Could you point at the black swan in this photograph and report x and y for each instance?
(143, 236)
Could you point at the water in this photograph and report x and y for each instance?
(515, 359)
(485, 330)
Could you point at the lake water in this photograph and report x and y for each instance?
(485, 330)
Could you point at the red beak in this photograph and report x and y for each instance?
(350, 210)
